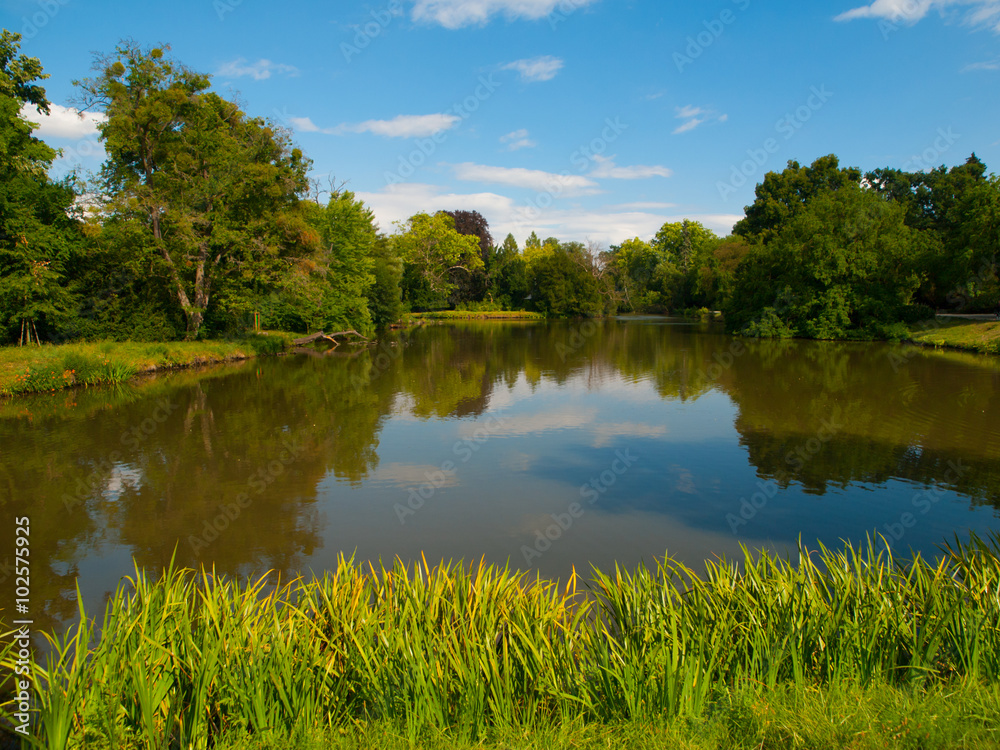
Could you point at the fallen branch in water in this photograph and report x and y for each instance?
(331, 337)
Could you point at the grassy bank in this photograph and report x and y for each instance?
(977, 336)
(31, 369)
(467, 315)
(837, 649)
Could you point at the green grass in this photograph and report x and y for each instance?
(848, 648)
(846, 717)
(977, 336)
(472, 315)
(51, 368)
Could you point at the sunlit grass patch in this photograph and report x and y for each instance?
(979, 336)
(49, 368)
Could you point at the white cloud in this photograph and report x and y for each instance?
(689, 125)
(532, 179)
(988, 15)
(259, 71)
(606, 168)
(910, 11)
(643, 206)
(987, 65)
(404, 126)
(694, 117)
(401, 201)
(305, 125)
(983, 12)
(685, 112)
(63, 122)
(536, 69)
(517, 140)
(454, 14)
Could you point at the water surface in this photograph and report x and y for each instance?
(547, 446)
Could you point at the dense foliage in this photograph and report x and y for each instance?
(202, 222)
(833, 254)
(39, 226)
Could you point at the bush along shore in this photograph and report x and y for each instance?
(849, 648)
(34, 369)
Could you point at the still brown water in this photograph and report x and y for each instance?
(546, 445)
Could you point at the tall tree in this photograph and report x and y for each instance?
(949, 205)
(508, 279)
(433, 251)
(634, 264)
(841, 268)
(39, 225)
(218, 191)
(348, 232)
(563, 284)
(385, 296)
(684, 242)
(472, 287)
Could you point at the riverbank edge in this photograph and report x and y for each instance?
(27, 370)
(54, 367)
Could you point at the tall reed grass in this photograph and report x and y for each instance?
(470, 650)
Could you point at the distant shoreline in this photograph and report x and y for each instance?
(26, 370)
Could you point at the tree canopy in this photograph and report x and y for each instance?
(841, 268)
(218, 192)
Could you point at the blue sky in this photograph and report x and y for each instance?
(590, 120)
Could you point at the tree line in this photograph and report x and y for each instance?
(202, 222)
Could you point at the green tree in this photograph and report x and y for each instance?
(685, 249)
(219, 192)
(120, 291)
(39, 225)
(563, 284)
(841, 268)
(432, 251)
(385, 297)
(508, 278)
(634, 265)
(949, 205)
(717, 276)
(348, 233)
(685, 243)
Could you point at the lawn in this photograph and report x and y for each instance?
(31, 369)
(978, 336)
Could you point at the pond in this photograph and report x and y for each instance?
(547, 446)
